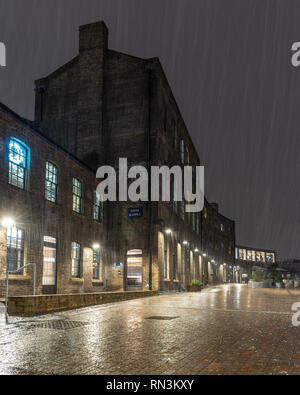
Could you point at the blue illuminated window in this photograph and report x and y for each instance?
(18, 156)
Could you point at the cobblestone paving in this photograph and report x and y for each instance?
(229, 329)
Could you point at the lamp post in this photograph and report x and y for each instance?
(7, 223)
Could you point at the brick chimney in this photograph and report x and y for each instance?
(93, 35)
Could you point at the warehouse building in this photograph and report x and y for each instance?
(99, 107)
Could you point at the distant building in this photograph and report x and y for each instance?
(249, 258)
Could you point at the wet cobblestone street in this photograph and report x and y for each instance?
(229, 329)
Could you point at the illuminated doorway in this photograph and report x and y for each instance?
(49, 266)
(134, 277)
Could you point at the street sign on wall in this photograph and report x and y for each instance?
(135, 212)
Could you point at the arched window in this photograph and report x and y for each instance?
(18, 156)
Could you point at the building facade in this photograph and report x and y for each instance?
(102, 106)
(248, 258)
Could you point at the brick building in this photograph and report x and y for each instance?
(101, 106)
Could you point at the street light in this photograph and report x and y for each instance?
(185, 243)
(204, 255)
(196, 250)
(168, 231)
(96, 246)
(8, 222)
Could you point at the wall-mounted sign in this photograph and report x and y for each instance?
(135, 212)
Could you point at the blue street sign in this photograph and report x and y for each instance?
(135, 212)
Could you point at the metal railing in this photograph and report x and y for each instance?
(8, 272)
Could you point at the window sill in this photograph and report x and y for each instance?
(20, 278)
(97, 282)
(77, 280)
(80, 215)
(167, 280)
(175, 281)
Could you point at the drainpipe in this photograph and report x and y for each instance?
(149, 71)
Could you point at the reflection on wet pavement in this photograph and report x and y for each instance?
(228, 329)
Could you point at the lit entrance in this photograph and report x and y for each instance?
(49, 266)
(134, 278)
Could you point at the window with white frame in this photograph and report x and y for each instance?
(77, 196)
(98, 212)
(15, 250)
(96, 264)
(76, 260)
(51, 183)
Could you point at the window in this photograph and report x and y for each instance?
(15, 250)
(76, 260)
(222, 228)
(182, 151)
(187, 152)
(49, 261)
(97, 207)
(96, 264)
(166, 269)
(18, 163)
(51, 182)
(77, 196)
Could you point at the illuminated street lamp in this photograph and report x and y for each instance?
(185, 243)
(204, 255)
(8, 222)
(168, 231)
(96, 246)
(196, 250)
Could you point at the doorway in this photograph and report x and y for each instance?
(49, 266)
(134, 276)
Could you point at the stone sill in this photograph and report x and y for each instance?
(167, 280)
(77, 280)
(20, 278)
(97, 282)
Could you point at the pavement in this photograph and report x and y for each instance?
(227, 329)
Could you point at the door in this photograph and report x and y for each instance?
(49, 266)
(134, 272)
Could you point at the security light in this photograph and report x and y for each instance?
(168, 231)
(196, 250)
(185, 242)
(96, 246)
(204, 255)
(8, 222)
